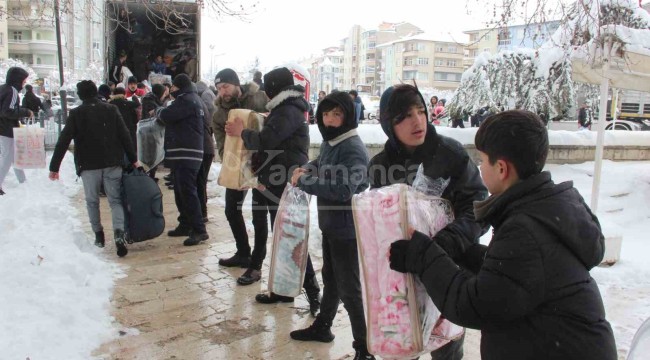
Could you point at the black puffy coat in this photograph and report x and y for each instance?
(533, 296)
(283, 142)
(441, 157)
(100, 138)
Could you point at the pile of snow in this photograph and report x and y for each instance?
(56, 286)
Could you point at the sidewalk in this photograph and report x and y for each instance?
(176, 302)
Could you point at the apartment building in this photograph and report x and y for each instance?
(329, 71)
(31, 34)
(508, 38)
(434, 61)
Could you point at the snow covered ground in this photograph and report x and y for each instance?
(56, 285)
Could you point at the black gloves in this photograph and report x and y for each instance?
(398, 251)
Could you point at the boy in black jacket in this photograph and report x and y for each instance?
(532, 296)
(412, 141)
(339, 172)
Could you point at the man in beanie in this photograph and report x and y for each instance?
(282, 146)
(412, 141)
(184, 154)
(339, 172)
(10, 114)
(232, 95)
(101, 139)
(132, 87)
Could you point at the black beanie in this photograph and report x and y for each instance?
(86, 89)
(277, 80)
(182, 81)
(228, 76)
(132, 80)
(104, 90)
(158, 90)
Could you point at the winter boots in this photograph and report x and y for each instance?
(236, 261)
(120, 243)
(250, 276)
(179, 231)
(312, 290)
(318, 331)
(99, 239)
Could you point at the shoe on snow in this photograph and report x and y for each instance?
(120, 243)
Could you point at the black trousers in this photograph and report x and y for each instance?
(202, 182)
(341, 282)
(457, 123)
(187, 199)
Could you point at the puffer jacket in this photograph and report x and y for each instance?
(533, 296)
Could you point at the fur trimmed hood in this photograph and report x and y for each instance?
(295, 92)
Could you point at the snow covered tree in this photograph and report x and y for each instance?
(9, 63)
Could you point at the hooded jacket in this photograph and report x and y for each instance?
(441, 157)
(533, 296)
(32, 102)
(339, 172)
(10, 111)
(100, 138)
(184, 123)
(128, 110)
(251, 98)
(208, 98)
(283, 143)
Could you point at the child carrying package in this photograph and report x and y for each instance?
(290, 236)
(401, 319)
(236, 166)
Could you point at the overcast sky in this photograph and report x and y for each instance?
(287, 30)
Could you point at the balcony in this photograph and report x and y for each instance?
(43, 70)
(43, 46)
(19, 46)
(29, 23)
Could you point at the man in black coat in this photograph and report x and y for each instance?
(282, 146)
(101, 139)
(31, 101)
(10, 114)
(128, 110)
(531, 294)
(184, 123)
(413, 141)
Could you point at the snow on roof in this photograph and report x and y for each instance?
(448, 37)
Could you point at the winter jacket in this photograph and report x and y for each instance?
(100, 138)
(150, 102)
(283, 143)
(251, 98)
(183, 121)
(116, 72)
(441, 157)
(207, 96)
(32, 102)
(208, 140)
(191, 69)
(532, 297)
(158, 68)
(584, 117)
(128, 110)
(10, 111)
(339, 172)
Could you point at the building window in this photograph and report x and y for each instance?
(504, 37)
(445, 76)
(408, 62)
(18, 36)
(473, 37)
(423, 61)
(452, 49)
(451, 63)
(439, 48)
(372, 44)
(38, 61)
(409, 75)
(423, 76)
(440, 62)
(95, 45)
(16, 11)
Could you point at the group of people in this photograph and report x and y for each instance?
(529, 291)
(186, 65)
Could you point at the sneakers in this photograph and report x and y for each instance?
(195, 239)
(272, 298)
(318, 331)
(179, 231)
(120, 243)
(236, 260)
(99, 239)
(250, 276)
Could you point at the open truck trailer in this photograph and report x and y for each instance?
(145, 29)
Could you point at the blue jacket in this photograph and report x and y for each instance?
(184, 121)
(339, 172)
